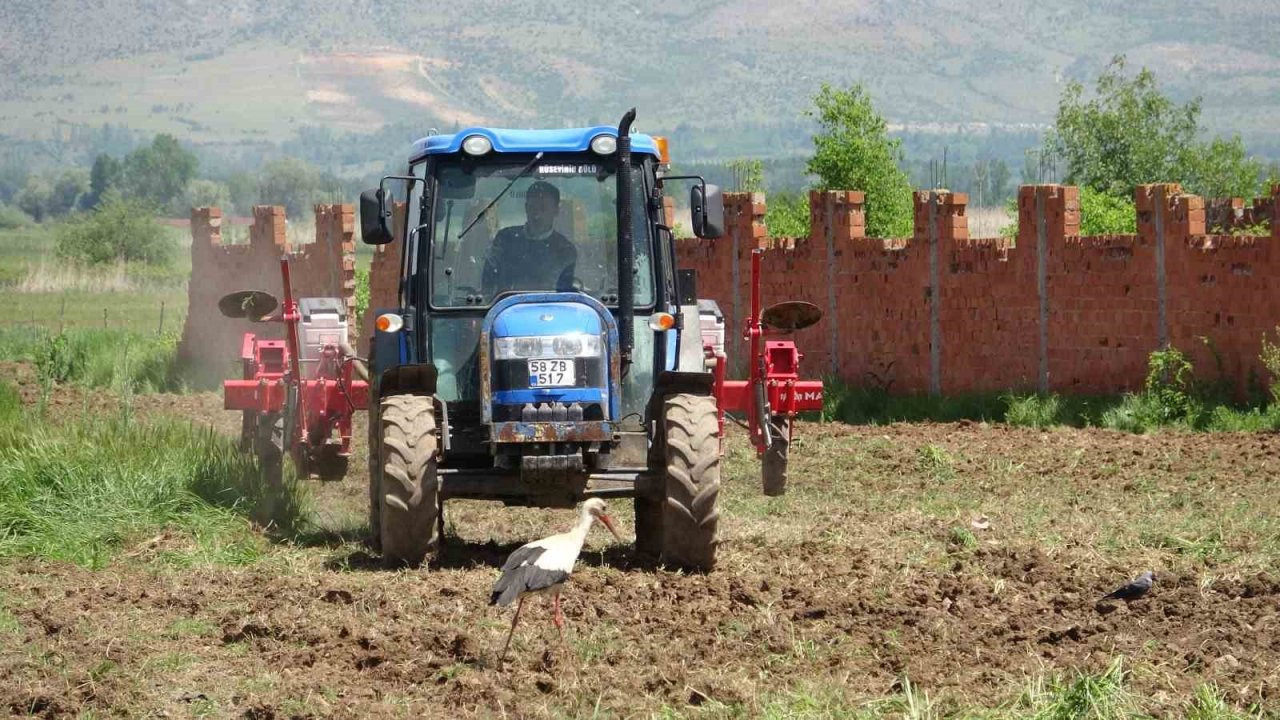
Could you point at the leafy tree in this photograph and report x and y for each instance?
(289, 182)
(47, 196)
(118, 230)
(787, 215)
(69, 191)
(36, 197)
(998, 180)
(158, 173)
(207, 193)
(748, 175)
(1129, 133)
(853, 151)
(106, 174)
(1221, 168)
(242, 188)
(1106, 214)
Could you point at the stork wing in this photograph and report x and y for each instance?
(524, 555)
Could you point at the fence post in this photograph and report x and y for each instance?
(104, 318)
(160, 327)
(62, 313)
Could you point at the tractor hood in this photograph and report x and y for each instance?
(545, 318)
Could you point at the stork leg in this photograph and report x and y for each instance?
(512, 631)
(558, 617)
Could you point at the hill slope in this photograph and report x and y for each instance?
(259, 71)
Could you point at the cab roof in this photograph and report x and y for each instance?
(527, 141)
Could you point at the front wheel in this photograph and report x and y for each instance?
(402, 483)
(690, 517)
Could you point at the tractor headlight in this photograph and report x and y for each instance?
(518, 348)
(569, 346)
(604, 144)
(476, 145)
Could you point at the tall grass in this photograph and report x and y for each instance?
(125, 361)
(82, 491)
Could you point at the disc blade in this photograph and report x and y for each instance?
(791, 315)
(252, 304)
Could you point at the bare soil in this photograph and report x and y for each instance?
(966, 558)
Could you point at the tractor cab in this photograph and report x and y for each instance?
(541, 336)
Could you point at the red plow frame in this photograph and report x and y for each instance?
(287, 412)
(773, 394)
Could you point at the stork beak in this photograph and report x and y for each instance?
(608, 522)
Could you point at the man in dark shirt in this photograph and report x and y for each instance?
(532, 256)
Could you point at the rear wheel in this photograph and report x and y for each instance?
(690, 517)
(773, 465)
(403, 481)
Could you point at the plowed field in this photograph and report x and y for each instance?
(961, 562)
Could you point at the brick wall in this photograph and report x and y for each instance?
(942, 312)
(210, 345)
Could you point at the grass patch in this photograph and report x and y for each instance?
(124, 361)
(83, 491)
(1135, 412)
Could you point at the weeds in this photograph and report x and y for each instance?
(82, 491)
(1171, 397)
(127, 362)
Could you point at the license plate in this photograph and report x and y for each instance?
(551, 372)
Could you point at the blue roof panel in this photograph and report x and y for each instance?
(517, 141)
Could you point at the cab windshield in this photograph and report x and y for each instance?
(554, 229)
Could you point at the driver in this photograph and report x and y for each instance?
(533, 256)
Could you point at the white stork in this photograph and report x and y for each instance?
(544, 565)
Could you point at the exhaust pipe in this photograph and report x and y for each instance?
(626, 246)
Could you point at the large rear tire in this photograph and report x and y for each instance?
(403, 480)
(690, 518)
(773, 466)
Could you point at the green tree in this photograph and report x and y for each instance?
(290, 182)
(207, 193)
(158, 173)
(748, 175)
(36, 197)
(1129, 133)
(853, 151)
(69, 191)
(1106, 214)
(787, 215)
(998, 181)
(105, 175)
(118, 230)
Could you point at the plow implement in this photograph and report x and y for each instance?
(298, 394)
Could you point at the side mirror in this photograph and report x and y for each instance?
(706, 209)
(375, 217)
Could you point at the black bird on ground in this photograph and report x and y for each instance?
(1140, 586)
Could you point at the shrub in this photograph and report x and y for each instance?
(788, 215)
(1270, 356)
(362, 295)
(118, 230)
(1037, 411)
(1106, 214)
(11, 218)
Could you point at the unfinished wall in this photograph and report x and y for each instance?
(210, 346)
(940, 312)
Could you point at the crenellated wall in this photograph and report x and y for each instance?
(1050, 310)
(210, 345)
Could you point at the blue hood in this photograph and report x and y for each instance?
(552, 318)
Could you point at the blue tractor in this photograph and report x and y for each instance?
(545, 348)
